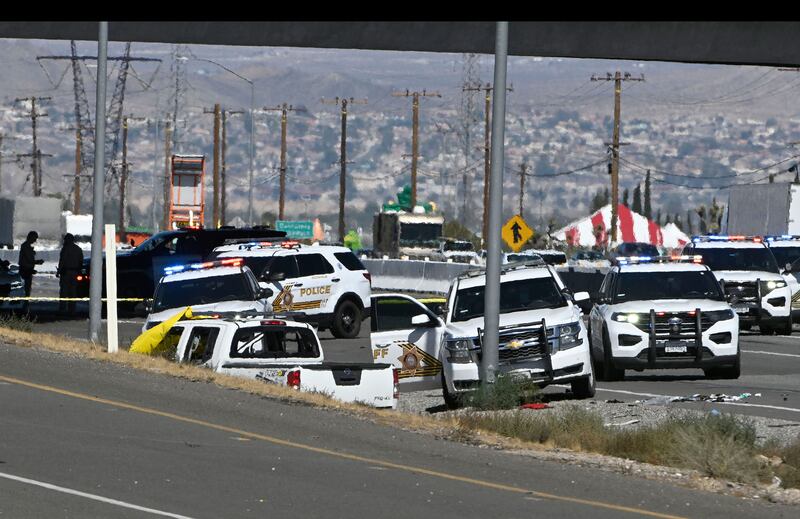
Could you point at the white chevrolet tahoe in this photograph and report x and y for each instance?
(662, 312)
(750, 277)
(322, 284)
(432, 351)
(280, 352)
(225, 287)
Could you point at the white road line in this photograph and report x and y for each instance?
(94, 497)
(742, 404)
(772, 353)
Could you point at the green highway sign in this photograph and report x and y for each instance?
(298, 229)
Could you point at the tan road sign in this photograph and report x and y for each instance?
(516, 232)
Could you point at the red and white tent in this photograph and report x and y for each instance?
(595, 230)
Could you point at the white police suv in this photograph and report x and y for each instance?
(224, 287)
(325, 285)
(663, 312)
(542, 335)
(786, 249)
(750, 277)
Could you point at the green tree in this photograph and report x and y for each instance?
(625, 195)
(454, 229)
(648, 209)
(268, 218)
(636, 205)
(689, 227)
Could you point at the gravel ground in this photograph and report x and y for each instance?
(615, 413)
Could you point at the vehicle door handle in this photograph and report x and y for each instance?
(297, 285)
(335, 280)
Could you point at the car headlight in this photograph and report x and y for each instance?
(772, 285)
(626, 318)
(719, 315)
(459, 350)
(569, 336)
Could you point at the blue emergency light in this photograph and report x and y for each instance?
(227, 262)
(630, 260)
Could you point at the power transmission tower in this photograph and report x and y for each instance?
(415, 135)
(444, 131)
(470, 73)
(36, 154)
(523, 172)
(487, 150)
(113, 115)
(284, 109)
(343, 102)
(167, 164)
(178, 70)
(617, 78)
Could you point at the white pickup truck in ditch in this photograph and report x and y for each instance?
(281, 352)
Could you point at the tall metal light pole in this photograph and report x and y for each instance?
(96, 272)
(491, 302)
(252, 131)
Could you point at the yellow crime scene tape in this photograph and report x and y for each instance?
(31, 298)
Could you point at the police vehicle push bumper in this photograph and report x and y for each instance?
(674, 339)
(535, 351)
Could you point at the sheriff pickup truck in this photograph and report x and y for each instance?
(279, 351)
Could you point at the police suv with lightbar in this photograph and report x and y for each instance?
(325, 285)
(223, 287)
(663, 312)
(786, 249)
(542, 335)
(751, 279)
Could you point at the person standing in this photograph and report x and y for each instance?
(70, 262)
(27, 262)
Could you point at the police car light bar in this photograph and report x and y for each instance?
(715, 237)
(782, 237)
(630, 260)
(228, 262)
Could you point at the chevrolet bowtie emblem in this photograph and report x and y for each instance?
(513, 345)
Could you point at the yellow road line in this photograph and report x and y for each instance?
(341, 455)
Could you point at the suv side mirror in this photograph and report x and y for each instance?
(420, 320)
(276, 276)
(264, 293)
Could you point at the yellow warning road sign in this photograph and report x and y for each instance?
(516, 232)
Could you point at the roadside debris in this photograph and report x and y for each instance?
(714, 397)
(629, 422)
(535, 406)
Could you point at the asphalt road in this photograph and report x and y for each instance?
(89, 439)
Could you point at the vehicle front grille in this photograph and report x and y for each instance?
(523, 344)
(686, 329)
(745, 291)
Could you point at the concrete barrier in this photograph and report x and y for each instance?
(435, 276)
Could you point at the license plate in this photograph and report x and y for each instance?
(742, 310)
(674, 348)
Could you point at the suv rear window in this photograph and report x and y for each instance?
(313, 264)
(269, 342)
(349, 260)
(198, 291)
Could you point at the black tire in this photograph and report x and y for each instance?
(610, 373)
(583, 388)
(746, 327)
(346, 320)
(765, 329)
(450, 400)
(728, 372)
(785, 328)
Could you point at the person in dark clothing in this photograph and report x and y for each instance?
(70, 262)
(27, 262)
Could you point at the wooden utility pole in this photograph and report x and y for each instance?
(76, 205)
(284, 109)
(167, 161)
(617, 78)
(415, 136)
(523, 172)
(487, 149)
(343, 102)
(36, 154)
(215, 183)
(123, 181)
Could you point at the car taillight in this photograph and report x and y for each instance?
(293, 379)
(272, 322)
(396, 377)
(368, 276)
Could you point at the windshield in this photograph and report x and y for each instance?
(637, 249)
(738, 259)
(646, 286)
(198, 291)
(420, 234)
(459, 246)
(153, 242)
(515, 296)
(784, 255)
